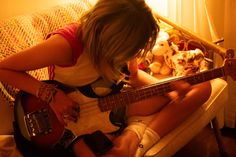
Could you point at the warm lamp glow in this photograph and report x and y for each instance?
(159, 6)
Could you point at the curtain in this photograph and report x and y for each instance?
(195, 15)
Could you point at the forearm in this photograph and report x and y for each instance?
(20, 80)
(53, 51)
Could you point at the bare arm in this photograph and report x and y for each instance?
(56, 50)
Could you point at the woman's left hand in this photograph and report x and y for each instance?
(180, 89)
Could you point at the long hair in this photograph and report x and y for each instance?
(115, 31)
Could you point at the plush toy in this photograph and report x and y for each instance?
(186, 62)
(158, 64)
(167, 59)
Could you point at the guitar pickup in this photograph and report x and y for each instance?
(38, 123)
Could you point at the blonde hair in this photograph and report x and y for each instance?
(115, 31)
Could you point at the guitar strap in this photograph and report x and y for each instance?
(88, 89)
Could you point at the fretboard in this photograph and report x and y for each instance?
(125, 98)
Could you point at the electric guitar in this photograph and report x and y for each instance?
(39, 124)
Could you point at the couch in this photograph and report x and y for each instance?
(20, 32)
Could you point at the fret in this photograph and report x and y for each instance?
(205, 76)
(101, 102)
(208, 75)
(106, 106)
(153, 90)
(117, 101)
(146, 94)
(219, 73)
(164, 89)
(123, 100)
(139, 95)
(128, 97)
(198, 79)
(190, 80)
(131, 97)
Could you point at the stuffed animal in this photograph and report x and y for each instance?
(158, 64)
(186, 62)
(167, 59)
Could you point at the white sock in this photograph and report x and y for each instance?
(150, 137)
(137, 127)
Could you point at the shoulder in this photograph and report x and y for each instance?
(71, 33)
(67, 31)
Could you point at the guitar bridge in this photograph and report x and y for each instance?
(37, 122)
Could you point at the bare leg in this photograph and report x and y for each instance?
(171, 113)
(177, 111)
(169, 117)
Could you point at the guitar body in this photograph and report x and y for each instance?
(27, 104)
(39, 125)
(91, 118)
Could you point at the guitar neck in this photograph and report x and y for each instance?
(125, 98)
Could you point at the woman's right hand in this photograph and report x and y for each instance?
(63, 106)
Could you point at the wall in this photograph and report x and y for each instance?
(230, 24)
(10, 8)
(230, 42)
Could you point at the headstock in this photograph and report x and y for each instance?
(230, 68)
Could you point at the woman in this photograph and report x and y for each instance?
(106, 39)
